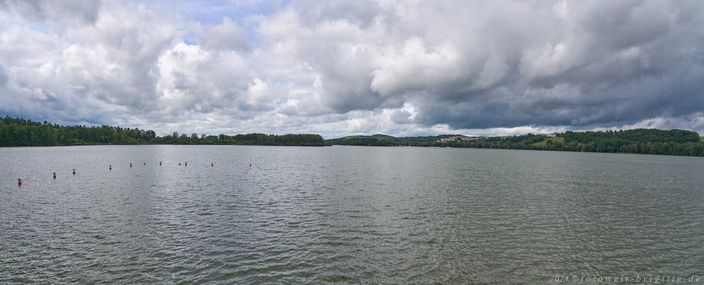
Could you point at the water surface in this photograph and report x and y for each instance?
(345, 214)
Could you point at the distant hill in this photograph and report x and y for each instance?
(645, 141)
(385, 140)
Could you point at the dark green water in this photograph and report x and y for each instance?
(345, 214)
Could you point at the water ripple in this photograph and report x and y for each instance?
(345, 215)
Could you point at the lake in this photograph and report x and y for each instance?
(346, 214)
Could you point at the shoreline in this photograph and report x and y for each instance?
(351, 145)
(539, 150)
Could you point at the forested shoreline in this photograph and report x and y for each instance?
(21, 132)
(641, 141)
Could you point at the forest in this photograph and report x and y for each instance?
(21, 132)
(643, 141)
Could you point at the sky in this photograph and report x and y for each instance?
(355, 67)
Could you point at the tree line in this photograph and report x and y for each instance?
(21, 132)
(643, 141)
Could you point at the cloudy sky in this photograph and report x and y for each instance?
(355, 67)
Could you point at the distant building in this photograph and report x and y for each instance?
(457, 138)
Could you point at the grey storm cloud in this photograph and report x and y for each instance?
(337, 67)
(67, 12)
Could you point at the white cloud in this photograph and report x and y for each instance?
(399, 67)
(226, 36)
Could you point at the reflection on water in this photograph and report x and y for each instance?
(345, 214)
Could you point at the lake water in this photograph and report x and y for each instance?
(346, 214)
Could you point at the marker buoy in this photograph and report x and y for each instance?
(110, 167)
(74, 171)
(54, 175)
(19, 182)
(130, 164)
(159, 163)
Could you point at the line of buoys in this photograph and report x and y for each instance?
(73, 171)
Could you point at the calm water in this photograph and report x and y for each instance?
(345, 214)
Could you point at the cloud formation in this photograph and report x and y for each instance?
(398, 67)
